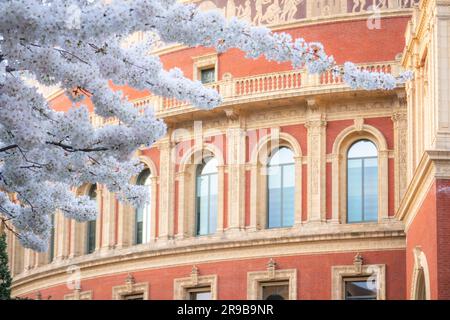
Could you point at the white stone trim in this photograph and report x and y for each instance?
(183, 285)
(374, 272)
(420, 266)
(339, 170)
(204, 62)
(258, 179)
(255, 281)
(186, 188)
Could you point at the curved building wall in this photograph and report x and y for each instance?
(265, 105)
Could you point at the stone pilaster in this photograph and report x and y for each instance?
(61, 237)
(167, 186)
(109, 220)
(316, 126)
(236, 173)
(399, 119)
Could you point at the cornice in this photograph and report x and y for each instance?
(306, 239)
(434, 164)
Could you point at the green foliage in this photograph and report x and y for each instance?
(5, 275)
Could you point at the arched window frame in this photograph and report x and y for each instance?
(199, 173)
(363, 160)
(127, 213)
(143, 179)
(185, 180)
(258, 175)
(342, 144)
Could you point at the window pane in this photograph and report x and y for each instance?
(202, 205)
(91, 236)
(208, 75)
(280, 189)
(275, 291)
(360, 290)
(363, 149)
(210, 166)
(371, 189)
(274, 197)
(91, 225)
(354, 190)
(288, 195)
(362, 182)
(51, 250)
(213, 186)
(134, 297)
(206, 194)
(200, 295)
(142, 218)
(282, 156)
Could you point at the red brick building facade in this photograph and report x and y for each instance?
(399, 253)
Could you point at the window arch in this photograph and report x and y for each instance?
(91, 226)
(339, 159)
(281, 189)
(206, 192)
(262, 155)
(142, 220)
(362, 182)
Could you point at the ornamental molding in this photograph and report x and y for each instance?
(130, 288)
(255, 280)
(376, 273)
(305, 239)
(434, 164)
(277, 13)
(195, 280)
(78, 294)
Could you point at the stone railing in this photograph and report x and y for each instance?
(258, 88)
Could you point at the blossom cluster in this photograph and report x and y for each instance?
(77, 45)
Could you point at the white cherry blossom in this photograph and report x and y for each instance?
(76, 44)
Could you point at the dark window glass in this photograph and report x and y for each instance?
(206, 197)
(91, 225)
(139, 296)
(208, 75)
(143, 212)
(200, 294)
(275, 291)
(360, 290)
(281, 189)
(362, 182)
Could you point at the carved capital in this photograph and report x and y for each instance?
(315, 124)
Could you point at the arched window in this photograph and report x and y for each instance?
(143, 212)
(362, 182)
(91, 225)
(281, 189)
(206, 196)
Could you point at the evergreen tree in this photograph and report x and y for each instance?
(5, 276)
